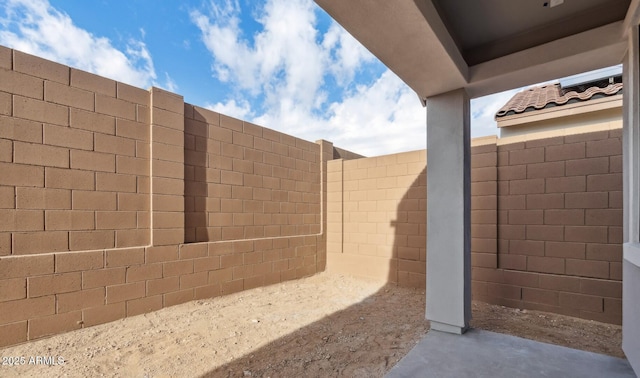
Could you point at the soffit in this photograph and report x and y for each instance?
(484, 46)
(488, 29)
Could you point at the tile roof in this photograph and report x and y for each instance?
(554, 95)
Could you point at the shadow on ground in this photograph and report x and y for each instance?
(365, 340)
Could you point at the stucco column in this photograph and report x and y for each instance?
(631, 202)
(448, 212)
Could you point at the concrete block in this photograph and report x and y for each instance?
(90, 121)
(124, 257)
(13, 289)
(144, 305)
(125, 292)
(92, 200)
(525, 216)
(603, 217)
(132, 238)
(545, 264)
(115, 145)
(6, 58)
(99, 278)
(91, 240)
(15, 311)
(530, 186)
(20, 129)
(14, 82)
(59, 220)
(605, 147)
(47, 199)
(69, 179)
(54, 284)
(103, 314)
(68, 137)
(573, 217)
(604, 252)
(527, 156)
(582, 302)
(588, 234)
(590, 166)
(37, 154)
(132, 130)
(565, 152)
(6, 104)
(144, 272)
(13, 333)
(547, 297)
(132, 94)
(42, 68)
(544, 170)
(607, 182)
(93, 83)
(21, 220)
(93, 161)
(133, 202)
(565, 250)
(41, 242)
(588, 268)
(115, 220)
(65, 95)
(54, 324)
(25, 266)
(79, 261)
(163, 285)
(566, 184)
(115, 107)
(112, 182)
(40, 111)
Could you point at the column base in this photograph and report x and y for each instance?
(448, 328)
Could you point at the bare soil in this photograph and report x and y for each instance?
(325, 325)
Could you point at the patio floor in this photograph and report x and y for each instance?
(481, 353)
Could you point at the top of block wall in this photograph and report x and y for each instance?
(39, 67)
(5, 58)
(167, 100)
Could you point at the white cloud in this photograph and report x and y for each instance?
(240, 109)
(280, 76)
(483, 111)
(35, 27)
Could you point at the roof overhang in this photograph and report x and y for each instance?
(429, 48)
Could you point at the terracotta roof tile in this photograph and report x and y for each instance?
(554, 95)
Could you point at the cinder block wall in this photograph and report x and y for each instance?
(376, 220)
(244, 181)
(546, 222)
(116, 201)
(559, 227)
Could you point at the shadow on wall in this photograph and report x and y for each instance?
(381, 322)
(197, 173)
(409, 251)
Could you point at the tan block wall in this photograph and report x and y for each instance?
(376, 220)
(244, 181)
(546, 222)
(116, 201)
(74, 160)
(559, 227)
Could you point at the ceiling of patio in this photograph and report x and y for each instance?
(485, 45)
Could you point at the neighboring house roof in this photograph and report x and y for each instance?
(554, 95)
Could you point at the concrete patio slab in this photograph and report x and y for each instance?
(481, 353)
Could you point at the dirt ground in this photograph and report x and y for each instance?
(325, 325)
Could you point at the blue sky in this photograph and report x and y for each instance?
(283, 64)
